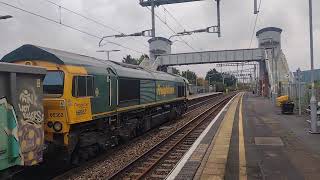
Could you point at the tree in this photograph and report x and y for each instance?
(202, 82)
(215, 76)
(142, 57)
(130, 60)
(230, 80)
(175, 71)
(190, 75)
(135, 61)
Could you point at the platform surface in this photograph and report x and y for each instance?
(251, 139)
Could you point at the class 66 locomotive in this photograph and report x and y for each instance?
(90, 105)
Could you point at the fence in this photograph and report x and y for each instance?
(292, 89)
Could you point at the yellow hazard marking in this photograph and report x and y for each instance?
(215, 166)
(242, 149)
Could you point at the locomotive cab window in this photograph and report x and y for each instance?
(53, 83)
(82, 86)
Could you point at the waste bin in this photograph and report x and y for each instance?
(282, 99)
(287, 107)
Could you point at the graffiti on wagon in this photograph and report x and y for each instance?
(28, 107)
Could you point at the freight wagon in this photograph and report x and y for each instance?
(21, 115)
(91, 104)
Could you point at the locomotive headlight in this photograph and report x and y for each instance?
(57, 126)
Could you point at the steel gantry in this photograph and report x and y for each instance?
(156, 3)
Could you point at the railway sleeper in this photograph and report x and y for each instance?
(158, 176)
(163, 170)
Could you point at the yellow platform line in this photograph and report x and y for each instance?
(242, 149)
(215, 166)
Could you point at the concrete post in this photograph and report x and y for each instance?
(313, 100)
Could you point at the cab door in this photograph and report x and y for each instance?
(82, 95)
(113, 89)
(105, 93)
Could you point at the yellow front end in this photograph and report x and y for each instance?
(56, 117)
(61, 109)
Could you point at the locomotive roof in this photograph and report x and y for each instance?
(32, 53)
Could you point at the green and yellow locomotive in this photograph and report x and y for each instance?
(91, 104)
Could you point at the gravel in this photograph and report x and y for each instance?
(125, 153)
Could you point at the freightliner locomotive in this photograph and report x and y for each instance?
(91, 104)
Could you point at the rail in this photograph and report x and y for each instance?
(142, 165)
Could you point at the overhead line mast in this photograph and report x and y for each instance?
(154, 3)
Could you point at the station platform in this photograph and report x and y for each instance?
(251, 139)
(202, 95)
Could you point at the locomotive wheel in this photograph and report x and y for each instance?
(173, 114)
(75, 159)
(92, 151)
(133, 133)
(84, 155)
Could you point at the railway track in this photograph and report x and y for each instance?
(65, 173)
(157, 162)
(197, 104)
(193, 107)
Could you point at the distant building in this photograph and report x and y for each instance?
(306, 75)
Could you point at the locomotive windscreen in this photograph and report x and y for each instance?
(53, 82)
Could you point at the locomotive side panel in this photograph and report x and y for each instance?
(129, 92)
(147, 91)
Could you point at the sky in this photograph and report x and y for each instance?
(127, 16)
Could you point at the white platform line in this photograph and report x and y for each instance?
(173, 174)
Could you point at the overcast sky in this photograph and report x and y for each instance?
(128, 16)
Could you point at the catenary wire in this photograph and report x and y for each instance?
(91, 19)
(175, 19)
(171, 29)
(68, 26)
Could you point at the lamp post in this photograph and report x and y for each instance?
(108, 52)
(313, 101)
(299, 89)
(5, 17)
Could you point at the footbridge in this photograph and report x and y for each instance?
(206, 57)
(273, 67)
